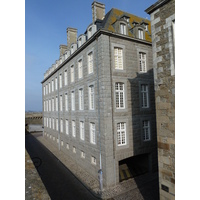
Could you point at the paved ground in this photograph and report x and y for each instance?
(144, 187)
(60, 183)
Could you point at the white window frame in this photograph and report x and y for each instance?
(56, 83)
(92, 133)
(45, 124)
(144, 95)
(67, 127)
(52, 104)
(143, 61)
(82, 130)
(52, 85)
(90, 62)
(66, 102)
(146, 132)
(119, 95)
(74, 149)
(49, 104)
(80, 69)
(81, 99)
(56, 103)
(53, 123)
(60, 79)
(140, 34)
(123, 28)
(118, 58)
(121, 133)
(49, 122)
(73, 128)
(56, 124)
(44, 92)
(61, 125)
(72, 74)
(61, 103)
(46, 89)
(65, 79)
(91, 97)
(73, 100)
(49, 88)
(44, 106)
(82, 154)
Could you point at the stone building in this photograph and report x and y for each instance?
(163, 42)
(98, 97)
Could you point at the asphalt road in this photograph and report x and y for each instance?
(58, 180)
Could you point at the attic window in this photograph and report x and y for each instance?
(123, 29)
(140, 34)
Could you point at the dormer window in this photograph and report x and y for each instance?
(140, 34)
(123, 29)
(80, 42)
(91, 30)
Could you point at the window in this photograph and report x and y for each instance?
(61, 126)
(60, 78)
(52, 104)
(142, 59)
(80, 69)
(73, 129)
(53, 126)
(52, 86)
(144, 95)
(56, 124)
(49, 88)
(44, 106)
(121, 133)
(119, 95)
(66, 127)
(146, 130)
(82, 134)
(90, 62)
(89, 32)
(56, 83)
(49, 122)
(67, 146)
(82, 154)
(74, 149)
(73, 100)
(123, 29)
(91, 97)
(72, 73)
(118, 58)
(61, 103)
(66, 102)
(93, 160)
(81, 99)
(65, 77)
(140, 34)
(56, 103)
(45, 121)
(44, 91)
(49, 104)
(79, 42)
(92, 133)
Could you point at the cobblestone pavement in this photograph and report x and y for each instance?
(143, 187)
(34, 188)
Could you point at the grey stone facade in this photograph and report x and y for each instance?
(163, 39)
(105, 115)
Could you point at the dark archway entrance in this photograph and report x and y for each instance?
(133, 166)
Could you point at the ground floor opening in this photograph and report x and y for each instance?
(134, 166)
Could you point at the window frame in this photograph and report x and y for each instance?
(92, 133)
(72, 73)
(81, 98)
(119, 58)
(73, 100)
(142, 62)
(73, 129)
(119, 94)
(91, 97)
(82, 130)
(80, 68)
(90, 62)
(148, 128)
(120, 136)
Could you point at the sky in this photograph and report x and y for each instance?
(46, 22)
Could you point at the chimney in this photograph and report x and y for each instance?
(63, 48)
(71, 36)
(98, 11)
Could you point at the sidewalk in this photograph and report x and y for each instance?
(34, 187)
(143, 187)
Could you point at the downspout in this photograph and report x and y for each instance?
(58, 80)
(111, 82)
(100, 172)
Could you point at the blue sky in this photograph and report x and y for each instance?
(45, 29)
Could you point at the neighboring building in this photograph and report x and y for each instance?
(163, 39)
(98, 98)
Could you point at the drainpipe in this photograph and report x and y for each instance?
(100, 172)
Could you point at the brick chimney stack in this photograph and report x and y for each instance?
(98, 11)
(71, 36)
